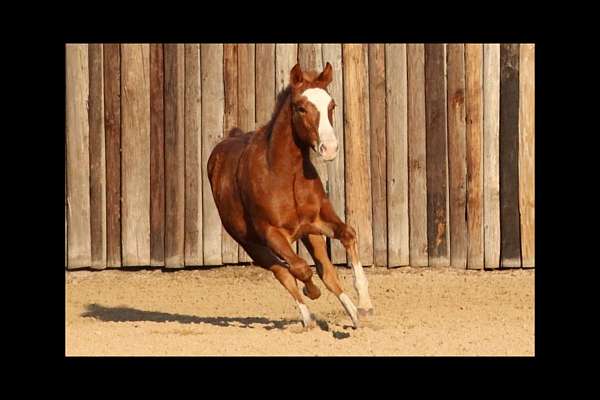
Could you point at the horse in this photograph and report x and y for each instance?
(269, 194)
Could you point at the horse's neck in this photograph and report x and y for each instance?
(284, 154)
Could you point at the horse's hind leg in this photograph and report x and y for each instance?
(316, 246)
(264, 257)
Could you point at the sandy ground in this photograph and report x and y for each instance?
(245, 311)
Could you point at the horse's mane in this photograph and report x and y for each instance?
(279, 103)
(282, 96)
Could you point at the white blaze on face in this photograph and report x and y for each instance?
(328, 144)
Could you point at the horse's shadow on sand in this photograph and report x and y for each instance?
(126, 314)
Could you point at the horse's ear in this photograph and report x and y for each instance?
(296, 75)
(326, 76)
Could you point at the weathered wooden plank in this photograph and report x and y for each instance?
(135, 139)
(78, 156)
(397, 155)
(457, 163)
(265, 82)
(367, 108)
(527, 153)
(332, 53)
(174, 155)
(66, 210)
(286, 56)
(229, 250)
(417, 159)
(157, 156)
(310, 58)
(112, 125)
(246, 86)
(474, 112)
(437, 156)
(211, 67)
(246, 101)
(491, 155)
(510, 238)
(97, 158)
(377, 104)
(367, 125)
(358, 185)
(193, 157)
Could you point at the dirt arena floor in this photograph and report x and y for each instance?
(245, 311)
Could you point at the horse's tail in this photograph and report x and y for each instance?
(235, 132)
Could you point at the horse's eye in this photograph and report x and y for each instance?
(301, 109)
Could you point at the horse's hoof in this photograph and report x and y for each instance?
(364, 313)
(312, 324)
(315, 294)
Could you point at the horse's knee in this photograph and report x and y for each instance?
(301, 270)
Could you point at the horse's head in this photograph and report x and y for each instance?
(312, 110)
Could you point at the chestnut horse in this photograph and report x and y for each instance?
(269, 194)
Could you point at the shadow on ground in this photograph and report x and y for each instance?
(127, 314)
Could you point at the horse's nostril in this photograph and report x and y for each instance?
(322, 148)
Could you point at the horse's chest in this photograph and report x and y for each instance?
(307, 201)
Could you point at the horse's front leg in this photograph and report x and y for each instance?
(316, 246)
(331, 225)
(265, 257)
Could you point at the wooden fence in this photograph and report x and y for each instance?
(436, 162)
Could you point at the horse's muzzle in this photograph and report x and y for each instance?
(328, 150)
